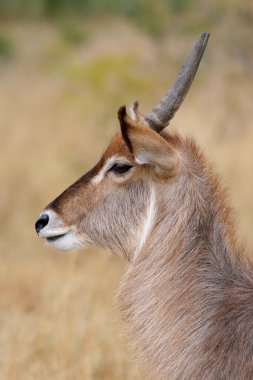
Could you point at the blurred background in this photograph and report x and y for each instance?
(65, 68)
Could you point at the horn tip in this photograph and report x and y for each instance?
(204, 37)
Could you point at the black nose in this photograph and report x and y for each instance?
(41, 222)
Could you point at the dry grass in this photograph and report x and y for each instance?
(58, 107)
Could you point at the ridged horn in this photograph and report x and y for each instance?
(161, 115)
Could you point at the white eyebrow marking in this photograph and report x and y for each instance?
(114, 159)
(98, 178)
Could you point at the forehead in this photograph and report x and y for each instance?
(117, 147)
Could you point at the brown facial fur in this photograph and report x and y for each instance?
(81, 192)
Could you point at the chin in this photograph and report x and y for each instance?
(67, 242)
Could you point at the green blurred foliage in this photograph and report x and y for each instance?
(180, 5)
(5, 47)
(150, 15)
(154, 17)
(72, 33)
(57, 8)
(52, 8)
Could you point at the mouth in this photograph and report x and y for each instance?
(52, 239)
(64, 241)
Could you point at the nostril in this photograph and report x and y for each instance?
(41, 222)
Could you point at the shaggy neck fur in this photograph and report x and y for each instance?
(188, 297)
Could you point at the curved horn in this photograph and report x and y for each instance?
(161, 115)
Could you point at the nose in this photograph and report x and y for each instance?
(41, 222)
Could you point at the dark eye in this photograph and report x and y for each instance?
(120, 168)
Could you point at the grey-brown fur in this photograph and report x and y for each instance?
(188, 298)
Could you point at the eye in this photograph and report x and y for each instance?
(119, 168)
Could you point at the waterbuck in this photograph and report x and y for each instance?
(187, 296)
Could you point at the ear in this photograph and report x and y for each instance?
(147, 146)
(135, 113)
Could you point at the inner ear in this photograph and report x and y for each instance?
(147, 146)
(135, 113)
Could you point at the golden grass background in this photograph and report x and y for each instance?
(58, 103)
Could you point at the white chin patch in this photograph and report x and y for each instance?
(68, 242)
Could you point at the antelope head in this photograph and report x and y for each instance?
(114, 204)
